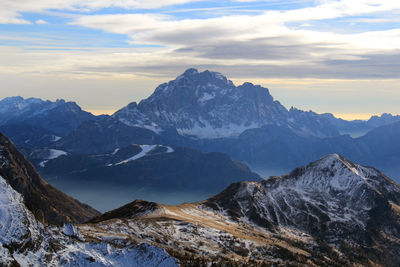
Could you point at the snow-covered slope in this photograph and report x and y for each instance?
(17, 224)
(44, 200)
(331, 198)
(331, 212)
(208, 105)
(26, 242)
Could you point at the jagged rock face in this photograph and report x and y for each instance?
(46, 202)
(24, 241)
(207, 105)
(331, 212)
(59, 117)
(332, 199)
(310, 123)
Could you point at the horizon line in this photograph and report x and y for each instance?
(344, 116)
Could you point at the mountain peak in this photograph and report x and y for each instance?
(331, 197)
(206, 76)
(190, 71)
(333, 174)
(331, 158)
(207, 105)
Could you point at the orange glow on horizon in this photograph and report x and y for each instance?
(101, 111)
(345, 116)
(353, 116)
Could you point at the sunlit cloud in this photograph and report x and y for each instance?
(302, 45)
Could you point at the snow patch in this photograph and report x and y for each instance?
(56, 138)
(54, 153)
(207, 131)
(115, 151)
(206, 97)
(145, 149)
(71, 230)
(169, 149)
(43, 163)
(152, 126)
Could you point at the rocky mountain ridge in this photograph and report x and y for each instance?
(205, 111)
(208, 105)
(331, 212)
(25, 241)
(46, 202)
(59, 117)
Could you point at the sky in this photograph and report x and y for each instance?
(337, 56)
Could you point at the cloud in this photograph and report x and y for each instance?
(11, 10)
(265, 44)
(40, 21)
(11, 17)
(266, 40)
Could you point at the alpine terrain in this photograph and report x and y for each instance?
(207, 112)
(42, 199)
(29, 211)
(331, 212)
(59, 117)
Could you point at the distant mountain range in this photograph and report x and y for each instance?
(206, 111)
(331, 212)
(58, 117)
(358, 128)
(203, 111)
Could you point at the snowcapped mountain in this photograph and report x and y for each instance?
(59, 117)
(45, 201)
(331, 212)
(331, 197)
(208, 105)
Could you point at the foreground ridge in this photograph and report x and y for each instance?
(24, 241)
(46, 202)
(330, 212)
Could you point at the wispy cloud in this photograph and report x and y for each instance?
(10, 10)
(267, 41)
